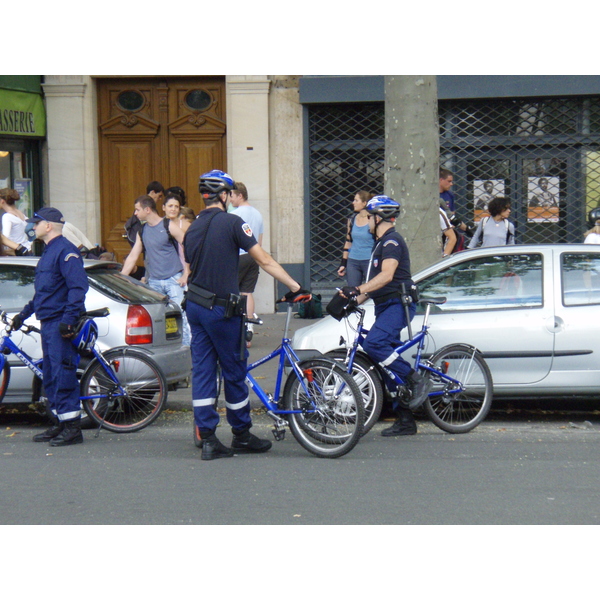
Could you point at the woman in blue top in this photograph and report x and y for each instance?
(359, 242)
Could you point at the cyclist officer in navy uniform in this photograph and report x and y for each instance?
(211, 245)
(388, 270)
(59, 300)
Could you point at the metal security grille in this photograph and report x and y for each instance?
(346, 154)
(542, 154)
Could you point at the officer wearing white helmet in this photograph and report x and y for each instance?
(214, 309)
(389, 269)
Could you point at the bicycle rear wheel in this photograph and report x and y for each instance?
(331, 412)
(368, 382)
(459, 411)
(145, 391)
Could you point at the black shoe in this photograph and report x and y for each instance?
(71, 434)
(421, 386)
(212, 448)
(405, 424)
(49, 434)
(248, 442)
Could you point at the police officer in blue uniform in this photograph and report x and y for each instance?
(214, 312)
(59, 300)
(389, 269)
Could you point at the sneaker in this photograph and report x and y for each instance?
(248, 442)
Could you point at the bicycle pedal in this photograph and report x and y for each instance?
(279, 434)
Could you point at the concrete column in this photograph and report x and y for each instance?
(248, 159)
(73, 170)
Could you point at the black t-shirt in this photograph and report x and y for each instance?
(391, 245)
(217, 266)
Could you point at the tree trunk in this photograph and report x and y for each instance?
(412, 163)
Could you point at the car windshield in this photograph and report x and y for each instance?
(122, 288)
(490, 282)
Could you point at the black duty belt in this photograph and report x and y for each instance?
(203, 297)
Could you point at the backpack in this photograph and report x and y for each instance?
(133, 226)
(312, 309)
(351, 221)
(461, 241)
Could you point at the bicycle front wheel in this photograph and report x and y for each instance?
(330, 412)
(144, 391)
(459, 408)
(368, 382)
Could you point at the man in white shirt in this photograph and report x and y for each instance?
(248, 269)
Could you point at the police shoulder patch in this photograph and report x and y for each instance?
(394, 242)
(71, 255)
(247, 229)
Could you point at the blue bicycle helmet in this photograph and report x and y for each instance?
(383, 206)
(214, 182)
(86, 335)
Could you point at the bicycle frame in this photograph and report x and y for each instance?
(6, 343)
(285, 351)
(416, 340)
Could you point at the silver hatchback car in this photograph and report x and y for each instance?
(138, 316)
(530, 309)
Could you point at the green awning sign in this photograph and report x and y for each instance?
(22, 114)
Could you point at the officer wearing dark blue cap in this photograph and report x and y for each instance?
(59, 300)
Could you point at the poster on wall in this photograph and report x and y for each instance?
(542, 199)
(485, 190)
(23, 186)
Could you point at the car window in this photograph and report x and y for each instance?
(580, 274)
(16, 286)
(122, 288)
(490, 282)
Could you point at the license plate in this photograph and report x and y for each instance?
(171, 325)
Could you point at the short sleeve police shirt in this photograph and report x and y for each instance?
(217, 265)
(391, 245)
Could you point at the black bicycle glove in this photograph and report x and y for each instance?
(66, 331)
(299, 296)
(350, 291)
(17, 322)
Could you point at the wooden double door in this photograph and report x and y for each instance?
(155, 129)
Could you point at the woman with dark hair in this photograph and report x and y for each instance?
(177, 191)
(495, 230)
(359, 242)
(13, 220)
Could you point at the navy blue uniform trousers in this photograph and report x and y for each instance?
(60, 372)
(384, 337)
(215, 337)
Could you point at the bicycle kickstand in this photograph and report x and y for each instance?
(109, 405)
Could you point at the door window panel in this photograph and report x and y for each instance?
(488, 283)
(580, 274)
(16, 286)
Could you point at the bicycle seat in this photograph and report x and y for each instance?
(99, 312)
(432, 300)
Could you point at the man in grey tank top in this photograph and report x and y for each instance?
(164, 271)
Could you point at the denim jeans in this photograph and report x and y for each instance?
(170, 287)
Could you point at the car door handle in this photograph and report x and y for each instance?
(555, 324)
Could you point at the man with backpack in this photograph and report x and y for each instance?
(158, 240)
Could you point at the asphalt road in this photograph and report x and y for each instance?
(527, 464)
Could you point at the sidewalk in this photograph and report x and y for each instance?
(266, 338)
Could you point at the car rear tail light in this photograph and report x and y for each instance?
(138, 329)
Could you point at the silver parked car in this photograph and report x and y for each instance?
(530, 309)
(138, 316)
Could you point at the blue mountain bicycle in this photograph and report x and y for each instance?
(460, 382)
(320, 401)
(122, 390)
